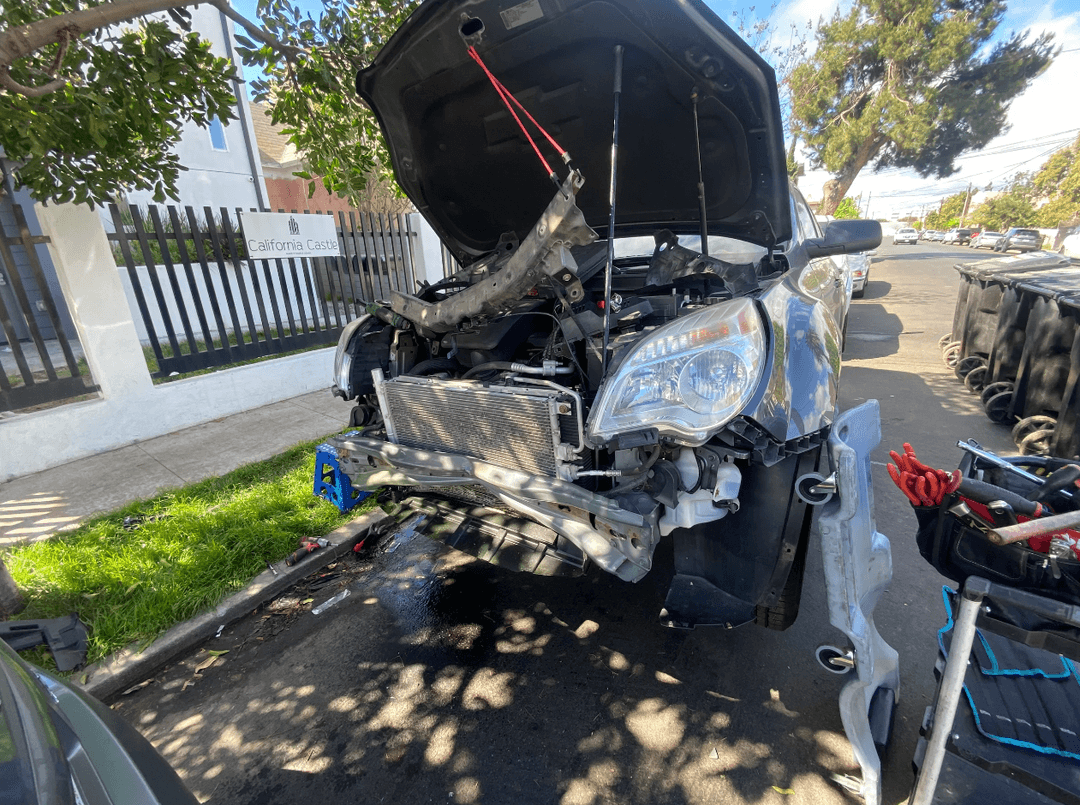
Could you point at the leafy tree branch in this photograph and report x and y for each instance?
(94, 95)
(21, 41)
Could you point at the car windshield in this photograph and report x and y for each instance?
(727, 249)
(1028, 232)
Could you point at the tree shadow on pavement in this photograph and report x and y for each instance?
(449, 680)
(443, 679)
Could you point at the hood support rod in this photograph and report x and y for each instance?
(611, 218)
(694, 97)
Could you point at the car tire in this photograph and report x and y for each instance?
(859, 294)
(782, 615)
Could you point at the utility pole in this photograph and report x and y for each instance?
(967, 201)
(869, 194)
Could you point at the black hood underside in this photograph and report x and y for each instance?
(462, 160)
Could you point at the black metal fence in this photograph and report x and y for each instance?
(204, 304)
(38, 364)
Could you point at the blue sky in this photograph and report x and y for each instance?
(1046, 115)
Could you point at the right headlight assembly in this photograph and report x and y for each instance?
(688, 378)
(343, 359)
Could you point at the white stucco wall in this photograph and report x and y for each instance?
(217, 178)
(131, 407)
(427, 250)
(36, 441)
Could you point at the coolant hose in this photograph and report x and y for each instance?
(432, 366)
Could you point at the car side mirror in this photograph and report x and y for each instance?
(845, 237)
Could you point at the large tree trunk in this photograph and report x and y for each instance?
(836, 188)
(11, 600)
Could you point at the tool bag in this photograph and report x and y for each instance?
(957, 549)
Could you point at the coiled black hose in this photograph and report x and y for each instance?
(433, 366)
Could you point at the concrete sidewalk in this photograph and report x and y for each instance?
(37, 506)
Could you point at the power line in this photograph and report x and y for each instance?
(943, 192)
(1057, 140)
(926, 190)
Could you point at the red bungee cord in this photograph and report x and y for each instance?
(507, 98)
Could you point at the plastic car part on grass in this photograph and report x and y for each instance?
(65, 637)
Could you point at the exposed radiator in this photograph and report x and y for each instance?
(519, 427)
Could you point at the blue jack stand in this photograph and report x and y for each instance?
(331, 483)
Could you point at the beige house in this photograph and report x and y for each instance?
(280, 160)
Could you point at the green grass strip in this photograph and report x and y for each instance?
(194, 547)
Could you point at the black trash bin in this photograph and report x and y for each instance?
(1065, 441)
(1003, 363)
(968, 273)
(979, 300)
(1050, 342)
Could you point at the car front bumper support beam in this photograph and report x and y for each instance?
(618, 540)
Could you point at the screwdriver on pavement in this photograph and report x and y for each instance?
(308, 546)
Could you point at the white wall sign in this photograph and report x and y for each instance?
(270, 235)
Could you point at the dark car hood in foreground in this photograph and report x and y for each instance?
(462, 160)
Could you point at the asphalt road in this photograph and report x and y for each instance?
(440, 679)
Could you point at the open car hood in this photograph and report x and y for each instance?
(462, 160)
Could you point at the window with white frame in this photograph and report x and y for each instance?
(217, 135)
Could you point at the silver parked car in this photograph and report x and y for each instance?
(597, 402)
(859, 265)
(1022, 240)
(63, 747)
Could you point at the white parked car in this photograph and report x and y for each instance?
(1070, 247)
(906, 235)
(859, 265)
(987, 240)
